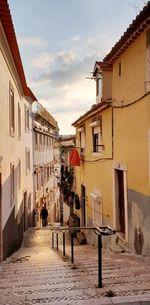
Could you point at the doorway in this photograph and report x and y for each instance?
(1, 240)
(83, 208)
(25, 211)
(120, 201)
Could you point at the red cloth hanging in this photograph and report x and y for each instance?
(74, 157)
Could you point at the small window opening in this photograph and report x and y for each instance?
(120, 69)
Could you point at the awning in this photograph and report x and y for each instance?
(74, 157)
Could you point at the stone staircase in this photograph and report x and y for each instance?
(38, 275)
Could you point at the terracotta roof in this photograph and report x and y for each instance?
(93, 111)
(133, 31)
(6, 20)
(101, 66)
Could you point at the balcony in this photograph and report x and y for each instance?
(40, 111)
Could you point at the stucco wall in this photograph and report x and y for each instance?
(131, 128)
(95, 171)
(12, 149)
(131, 139)
(139, 222)
(130, 84)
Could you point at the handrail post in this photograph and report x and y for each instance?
(99, 261)
(64, 252)
(72, 252)
(57, 241)
(52, 240)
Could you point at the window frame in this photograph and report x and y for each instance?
(11, 111)
(19, 173)
(36, 140)
(119, 69)
(19, 121)
(82, 140)
(96, 129)
(27, 160)
(27, 119)
(12, 184)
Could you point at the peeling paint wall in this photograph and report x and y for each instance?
(139, 222)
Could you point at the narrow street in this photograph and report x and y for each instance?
(36, 274)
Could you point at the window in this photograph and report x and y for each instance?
(48, 172)
(119, 68)
(41, 178)
(27, 152)
(19, 122)
(26, 119)
(45, 174)
(98, 86)
(96, 134)
(82, 139)
(36, 140)
(41, 141)
(12, 184)
(11, 111)
(29, 203)
(38, 180)
(19, 174)
(96, 139)
(46, 142)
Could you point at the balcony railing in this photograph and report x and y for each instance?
(98, 148)
(40, 110)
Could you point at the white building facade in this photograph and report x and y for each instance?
(16, 152)
(46, 163)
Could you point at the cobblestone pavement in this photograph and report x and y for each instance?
(38, 275)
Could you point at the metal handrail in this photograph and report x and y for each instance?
(99, 231)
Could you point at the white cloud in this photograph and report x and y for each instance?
(43, 60)
(62, 59)
(75, 38)
(69, 103)
(33, 42)
(71, 73)
(91, 41)
(66, 57)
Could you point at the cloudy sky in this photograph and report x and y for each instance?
(59, 42)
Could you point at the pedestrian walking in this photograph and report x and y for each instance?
(44, 215)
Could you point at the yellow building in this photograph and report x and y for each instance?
(93, 179)
(116, 177)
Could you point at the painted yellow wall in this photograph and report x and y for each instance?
(107, 85)
(131, 143)
(131, 124)
(97, 175)
(130, 85)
